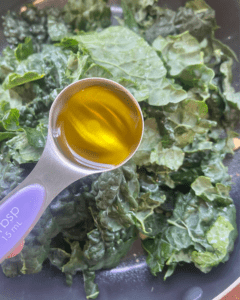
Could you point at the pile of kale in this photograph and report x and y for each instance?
(175, 189)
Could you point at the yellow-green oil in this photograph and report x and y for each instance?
(99, 125)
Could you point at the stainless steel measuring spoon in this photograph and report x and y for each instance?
(22, 208)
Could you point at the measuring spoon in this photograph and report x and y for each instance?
(21, 209)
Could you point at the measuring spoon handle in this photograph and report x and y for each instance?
(23, 207)
(18, 215)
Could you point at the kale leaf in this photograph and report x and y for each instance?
(190, 234)
(111, 49)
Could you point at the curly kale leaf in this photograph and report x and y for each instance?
(11, 176)
(188, 235)
(184, 60)
(25, 126)
(145, 14)
(203, 188)
(179, 51)
(25, 71)
(117, 202)
(128, 17)
(56, 27)
(77, 65)
(150, 140)
(87, 15)
(230, 97)
(187, 120)
(52, 24)
(196, 17)
(151, 150)
(91, 288)
(172, 158)
(37, 109)
(24, 50)
(30, 23)
(120, 202)
(174, 132)
(8, 62)
(213, 167)
(204, 156)
(15, 79)
(55, 63)
(21, 151)
(219, 237)
(103, 249)
(51, 62)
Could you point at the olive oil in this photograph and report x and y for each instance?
(98, 125)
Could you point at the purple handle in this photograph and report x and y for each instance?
(18, 215)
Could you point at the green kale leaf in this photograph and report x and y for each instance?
(87, 15)
(218, 237)
(203, 188)
(24, 50)
(111, 49)
(196, 17)
(11, 175)
(190, 235)
(21, 151)
(178, 52)
(57, 28)
(187, 120)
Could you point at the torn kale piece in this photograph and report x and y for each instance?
(32, 23)
(188, 236)
(11, 174)
(196, 17)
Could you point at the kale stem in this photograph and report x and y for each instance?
(175, 224)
